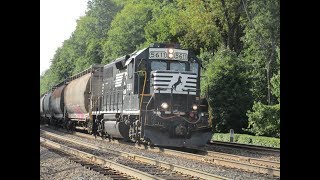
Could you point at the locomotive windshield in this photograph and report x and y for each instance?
(158, 65)
(174, 66)
(194, 67)
(177, 66)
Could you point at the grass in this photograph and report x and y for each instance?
(248, 139)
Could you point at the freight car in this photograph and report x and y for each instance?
(151, 96)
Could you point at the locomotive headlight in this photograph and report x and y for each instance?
(194, 107)
(170, 53)
(164, 105)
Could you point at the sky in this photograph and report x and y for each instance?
(57, 22)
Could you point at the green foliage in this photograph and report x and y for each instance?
(159, 28)
(205, 58)
(186, 22)
(275, 83)
(221, 137)
(248, 139)
(262, 52)
(228, 16)
(262, 45)
(127, 30)
(91, 32)
(229, 93)
(264, 120)
(47, 80)
(194, 24)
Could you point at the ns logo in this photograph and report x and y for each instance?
(174, 86)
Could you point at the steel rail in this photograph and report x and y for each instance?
(228, 160)
(114, 174)
(244, 159)
(177, 168)
(222, 159)
(99, 160)
(245, 146)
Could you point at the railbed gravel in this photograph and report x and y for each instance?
(246, 153)
(154, 170)
(54, 166)
(201, 166)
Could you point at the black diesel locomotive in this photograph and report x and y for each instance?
(152, 96)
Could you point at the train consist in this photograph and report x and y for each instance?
(150, 96)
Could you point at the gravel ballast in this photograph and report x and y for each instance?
(54, 166)
(209, 168)
(246, 153)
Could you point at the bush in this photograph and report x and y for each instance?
(228, 89)
(248, 139)
(264, 120)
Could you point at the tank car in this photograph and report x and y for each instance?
(81, 95)
(42, 115)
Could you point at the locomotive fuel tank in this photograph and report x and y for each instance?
(56, 102)
(116, 129)
(46, 105)
(76, 97)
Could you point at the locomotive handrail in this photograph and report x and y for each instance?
(148, 104)
(183, 90)
(144, 85)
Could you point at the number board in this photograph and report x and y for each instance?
(162, 53)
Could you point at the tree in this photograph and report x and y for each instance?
(262, 51)
(262, 45)
(265, 119)
(47, 81)
(229, 93)
(189, 23)
(228, 18)
(84, 47)
(127, 30)
(91, 32)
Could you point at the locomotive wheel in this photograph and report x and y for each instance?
(148, 142)
(70, 126)
(100, 131)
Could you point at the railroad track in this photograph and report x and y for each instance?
(112, 173)
(133, 165)
(245, 146)
(228, 160)
(102, 162)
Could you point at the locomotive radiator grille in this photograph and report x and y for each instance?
(179, 82)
